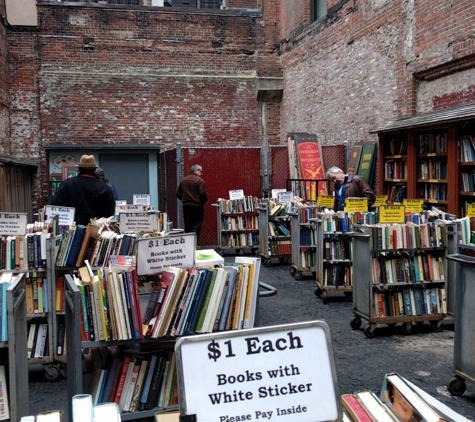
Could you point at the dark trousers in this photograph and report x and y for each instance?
(193, 217)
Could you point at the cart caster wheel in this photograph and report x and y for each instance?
(240, 252)
(255, 251)
(52, 372)
(64, 370)
(292, 271)
(349, 296)
(370, 330)
(267, 263)
(355, 322)
(456, 386)
(298, 275)
(318, 292)
(436, 325)
(407, 328)
(324, 298)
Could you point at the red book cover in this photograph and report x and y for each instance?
(355, 409)
(120, 386)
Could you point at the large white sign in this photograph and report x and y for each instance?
(13, 224)
(142, 199)
(154, 254)
(138, 222)
(65, 214)
(128, 208)
(284, 373)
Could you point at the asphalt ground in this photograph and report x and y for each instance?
(425, 357)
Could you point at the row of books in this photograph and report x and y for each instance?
(280, 245)
(37, 340)
(308, 236)
(432, 143)
(94, 244)
(277, 209)
(408, 235)
(335, 248)
(277, 229)
(340, 274)
(36, 293)
(308, 258)
(410, 301)
(240, 240)
(247, 222)
(307, 212)
(136, 382)
(432, 191)
(466, 149)
(432, 168)
(23, 252)
(395, 146)
(468, 181)
(399, 399)
(395, 169)
(245, 204)
(407, 268)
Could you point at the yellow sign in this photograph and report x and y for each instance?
(391, 213)
(470, 210)
(413, 205)
(380, 200)
(326, 201)
(356, 204)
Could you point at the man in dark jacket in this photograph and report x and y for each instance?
(88, 195)
(192, 193)
(349, 186)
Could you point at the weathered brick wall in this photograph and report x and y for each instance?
(4, 99)
(370, 62)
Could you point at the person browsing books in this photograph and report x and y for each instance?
(101, 175)
(91, 197)
(349, 186)
(192, 193)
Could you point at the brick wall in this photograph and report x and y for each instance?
(4, 99)
(370, 62)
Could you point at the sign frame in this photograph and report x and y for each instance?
(193, 376)
(66, 215)
(236, 194)
(18, 222)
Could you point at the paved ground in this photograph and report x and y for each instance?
(425, 358)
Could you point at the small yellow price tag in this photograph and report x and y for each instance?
(380, 200)
(326, 201)
(470, 210)
(413, 205)
(391, 213)
(356, 204)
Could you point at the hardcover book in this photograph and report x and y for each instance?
(367, 162)
(355, 154)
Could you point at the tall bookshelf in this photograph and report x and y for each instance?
(430, 156)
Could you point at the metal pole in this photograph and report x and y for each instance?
(179, 176)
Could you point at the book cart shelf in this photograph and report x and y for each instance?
(238, 224)
(14, 352)
(335, 256)
(275, 241)
(304, 241)
(407, 281)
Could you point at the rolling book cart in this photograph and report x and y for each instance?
(238, 224)
(275, 241)
(335, 256)
(304, 241)
(396, 282)
(464, 367)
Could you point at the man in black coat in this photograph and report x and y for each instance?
(91, 197)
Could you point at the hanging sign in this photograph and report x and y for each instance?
(285, 373)
(413, 205)
(129, 208)
(327, 201)
(380, 200)
(236, 194)
(356, 204)
(138, 222)
(285, 197)
(141, 199)
(275, 192)
(65, 214)
(154, 254)
(13, 224)
(392, 213)
(470, 210)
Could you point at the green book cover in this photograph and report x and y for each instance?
(366, 165)
(204, 308)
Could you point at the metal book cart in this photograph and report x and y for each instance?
(334, 262)
(365, 288)
(464, 340)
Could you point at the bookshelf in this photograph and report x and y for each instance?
(466, 162)
(238, 224)
(304, 241)
(276, 241)
(407, 281)
(335, 255)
